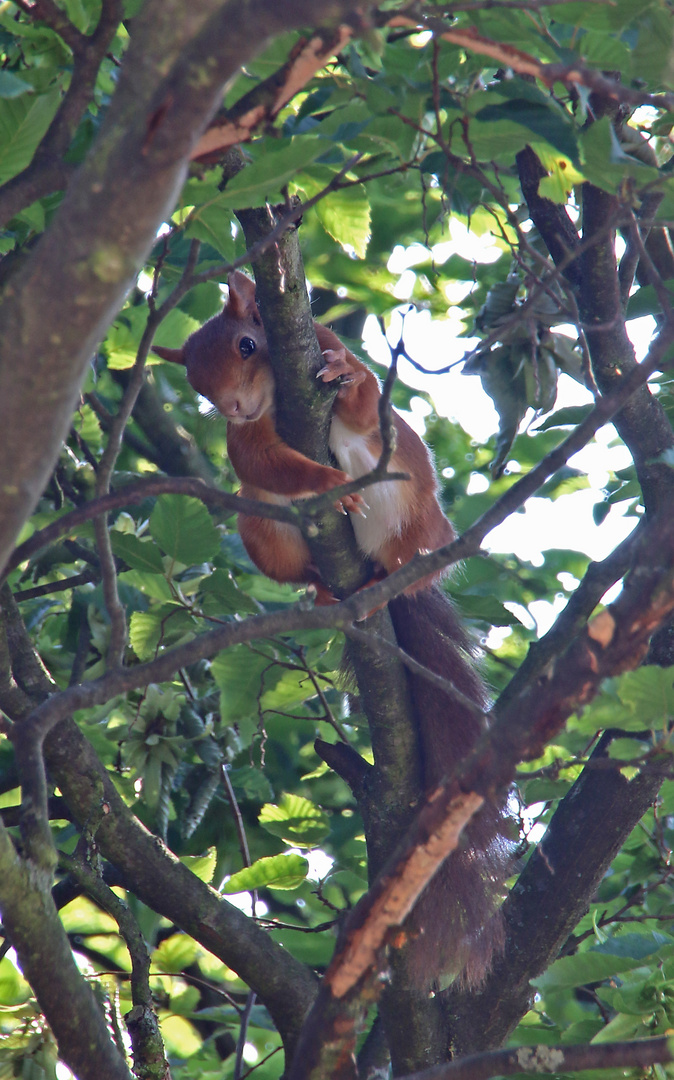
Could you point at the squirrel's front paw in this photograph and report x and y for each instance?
(338, 366)
(353, 504)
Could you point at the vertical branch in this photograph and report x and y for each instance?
(245, 855)
(142, 1022)
(107, 464)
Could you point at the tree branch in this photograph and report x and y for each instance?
(542, 1060)
(179, 59)
(33, 926)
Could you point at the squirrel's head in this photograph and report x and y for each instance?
(227, 359)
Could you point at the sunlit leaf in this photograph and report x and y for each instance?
(296, 820)
(274, 872)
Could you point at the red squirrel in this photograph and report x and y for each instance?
(227, 362)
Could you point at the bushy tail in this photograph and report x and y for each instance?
(455, 925)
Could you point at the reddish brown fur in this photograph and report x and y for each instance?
(243, 391)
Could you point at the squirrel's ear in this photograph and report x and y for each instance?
(177, 356)
(241, 303)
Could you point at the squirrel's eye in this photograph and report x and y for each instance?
(247, 347)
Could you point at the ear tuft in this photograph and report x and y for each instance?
(176, 356)
(241, 303)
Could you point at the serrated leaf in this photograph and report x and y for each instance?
(202, 866)
(650, 693)
(138, 554)
(145, 630)
(175, 328)
(292, 688)
(273, 872)
(238, 672)
(221, 584)
(174, 954)
(345, 215)
(183, 528)
(270, 173)
(599, 963)
(549, 123)
(295, 820)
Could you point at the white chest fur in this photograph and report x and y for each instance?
(386, 500)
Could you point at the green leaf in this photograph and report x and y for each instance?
(599, 963)
(292, 688)
(652, 54)
(649, 692)
(549, 123)
(273, 872)
(213, 225)
(23, 123)
(605, 163)
(626, 749)
(138, 554)
(544, 790)
(12, 86)
(183, 528)
(621, 1027)
(271, 172)
(570, 416)
(175, 328)
(162, 625)
(13, 989)
(185, 1002)
(222, 585)
(645, 300)
(633, 946)
(174, 954)
(202, 866)
(487, 608)
(239, 674)
(150, 584)
(345, 216)
(295, 820)
(145, 631)
(599, 16)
